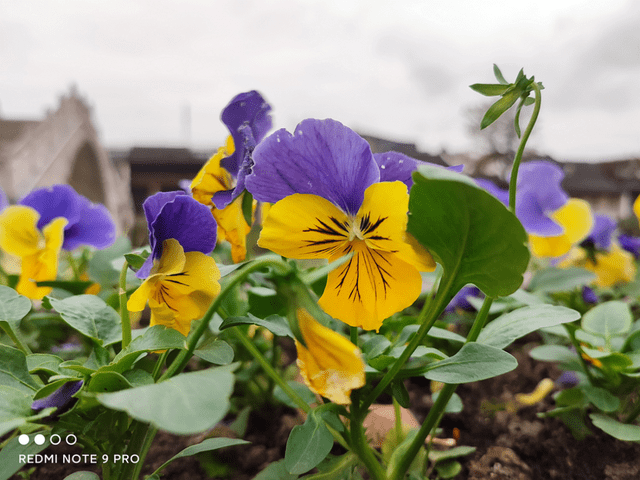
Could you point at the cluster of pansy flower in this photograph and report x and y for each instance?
(221, 181)
(46, 221)
(554, 222)
(605, 253)
(180, 278)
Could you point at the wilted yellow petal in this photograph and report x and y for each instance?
(19, 234)
(212, 177)
(370, 287)
(330, 365)
(233, 228)
(304, 226)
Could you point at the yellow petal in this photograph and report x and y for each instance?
(636, 207)
(233, 228)
(42, 266)
(370, 287)
(139, 298)
(161, 314)
(330, 365)
(19, 234)
(576, 219)
(172, 259)
(383, 215)
(304, 226)
(212, 177)
(616, 266)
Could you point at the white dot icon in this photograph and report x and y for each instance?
(23, 439)
(39, 439)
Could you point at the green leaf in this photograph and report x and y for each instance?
(10, 455)
(136, 260)
(456, 452)
(496, 110)
(275, 471)
(247, 207)
(470, 233)
(307, 445)
(608, 319)
(207, 445)
(601, 398)
(336, 468)
(489, 89)
(454, 405)
(13, 307)
(621, 431)
(215, 351)
(15, 408)
(100, 267)
(76, 287)
(472, 363)
(498, 75)
(553, 280)
(502, 331)
(448, 469)
(185, 404)
(91, 316)
(108, 382)
(400, 393)
(552, 353)
(274, 323)
(82, 476)
(14, 371)
(302, 391)
(43, 362)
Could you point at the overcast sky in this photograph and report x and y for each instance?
(396, 69)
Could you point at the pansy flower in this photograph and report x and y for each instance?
(221, 181)
(181, 280)
(329, 202)
(553, 221)
(45, 221)
(630, 244)
(330, 364)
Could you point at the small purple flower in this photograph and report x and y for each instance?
(630, 244)
(493, 189)
(248, 120)
(397, 166)
(177, 215)
(459, 301)
(304, 162)
(602, 232)
(588, 295)
(568, 379)
(88, 223)
(62, 398)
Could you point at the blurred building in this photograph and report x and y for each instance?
(63, 147)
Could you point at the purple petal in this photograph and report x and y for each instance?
(87, 223)
(61, 398)
(459, 301)
(588, 295)
(568, 379)
(96, 228)
(4, 201)
(630, 244)
(543, 181)
(246, 109)
(178, 216)
(493, 189)
(55, 201)
(225, 197)
(534, 219)
(322, 157)
(602, 232)
(397, 166)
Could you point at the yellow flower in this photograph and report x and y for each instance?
(179, 289)
(636, 208)
(614, 266)
(576, 219)
(383, 275)
(330, 364)
(38, 251)
(232, 225)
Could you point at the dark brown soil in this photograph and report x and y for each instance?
(514, 445)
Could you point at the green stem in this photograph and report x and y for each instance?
(428, 316)
(124, 313)
(14, 336)
(360, 446)
(435, 413)
(523, 141)
(138, 437)
(183, 357)
(353, 332)
(158, 366)
(634, 414)
(146, 445)
(398, 421)
(579, 352)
